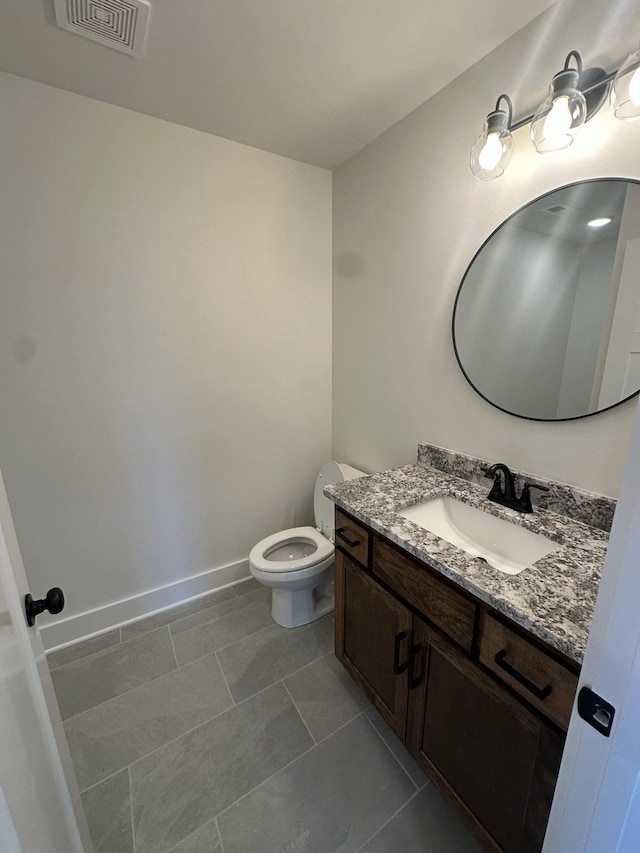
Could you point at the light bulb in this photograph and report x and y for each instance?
(625, 90)
(558, 123)
(491, 151)
(490, 155)
(634, 87)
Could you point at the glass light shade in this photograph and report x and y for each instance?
(560, 115)
(492, 150)
(625, 91)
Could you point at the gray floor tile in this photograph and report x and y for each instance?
(427, 824)
(326, 696)
(418, 777)
(186, 783)
(115, 734)
(92, 680)
(108, 811)
(250, 585)
(204, 840)
(204, 639)
(82, 649)
(256, 662)
(218, 611)
(158, 620)
(331, 799)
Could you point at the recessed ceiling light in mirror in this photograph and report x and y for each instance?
(598, 223)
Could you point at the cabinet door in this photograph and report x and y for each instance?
(373, 636)
(497, 761)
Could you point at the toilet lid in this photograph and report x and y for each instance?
(330, 473)
(290, 550)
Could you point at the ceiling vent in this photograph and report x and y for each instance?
(120, 24)
(557, 209)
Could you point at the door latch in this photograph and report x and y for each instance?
(596, 711)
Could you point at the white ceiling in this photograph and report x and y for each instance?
(315, 80)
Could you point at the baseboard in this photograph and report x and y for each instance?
(83, 626)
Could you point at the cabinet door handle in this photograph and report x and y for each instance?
(414, 682)
(398, 668)
(539, 692)
(342, 535)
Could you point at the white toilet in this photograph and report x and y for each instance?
(298, 563)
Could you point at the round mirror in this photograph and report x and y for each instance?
(546, 323)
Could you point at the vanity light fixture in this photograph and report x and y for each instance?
(625, 91)
(575, 95)
(492, 150)
(598, 223)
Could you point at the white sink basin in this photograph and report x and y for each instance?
(504, 546)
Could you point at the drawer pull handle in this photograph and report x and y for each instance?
(398, 668)
(414, 682)
(539, 692)
(352, 543)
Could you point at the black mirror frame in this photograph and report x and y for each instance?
(455, 306)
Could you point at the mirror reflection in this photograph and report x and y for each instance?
(546, 323)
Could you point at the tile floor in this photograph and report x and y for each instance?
(209, 729)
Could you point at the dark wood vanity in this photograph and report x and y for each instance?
(481, 705)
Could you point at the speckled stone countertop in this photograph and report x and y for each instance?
(553, 599)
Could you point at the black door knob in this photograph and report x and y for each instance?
(54, 602)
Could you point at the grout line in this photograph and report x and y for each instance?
(131, 689)
(299, 713)
(219, 835)
(90, 654)
(194, 831)
(219, 617)
(106, 779)
(269, 778)
(331, 734)
(395, 757)
(104, 652)
(133, 828)
(233, 701)
(173, 648)
(253, 634)
(206, 722)
(397, 812)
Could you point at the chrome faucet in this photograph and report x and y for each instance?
(506, 495)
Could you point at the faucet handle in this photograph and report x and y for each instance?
(525, 497)
(528, 486)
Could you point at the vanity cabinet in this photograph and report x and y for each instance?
(480, 705)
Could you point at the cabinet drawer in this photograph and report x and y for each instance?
(543, 681)
(352, 538)
(439, 603)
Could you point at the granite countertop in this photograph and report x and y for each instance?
(553, 599)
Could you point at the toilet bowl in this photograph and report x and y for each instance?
(298, 563)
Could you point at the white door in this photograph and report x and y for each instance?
(596, 808)
(622, 366)
(40, 807)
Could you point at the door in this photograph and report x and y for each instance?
(40, 809)
(597, 802)
(373, 644)
(622, 366)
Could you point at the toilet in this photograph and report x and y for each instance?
(298, 563)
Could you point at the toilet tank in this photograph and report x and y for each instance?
(330, 473)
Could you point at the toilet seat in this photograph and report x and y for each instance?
(322, 549)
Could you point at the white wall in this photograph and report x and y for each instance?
(408, 218)
(165, 328)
